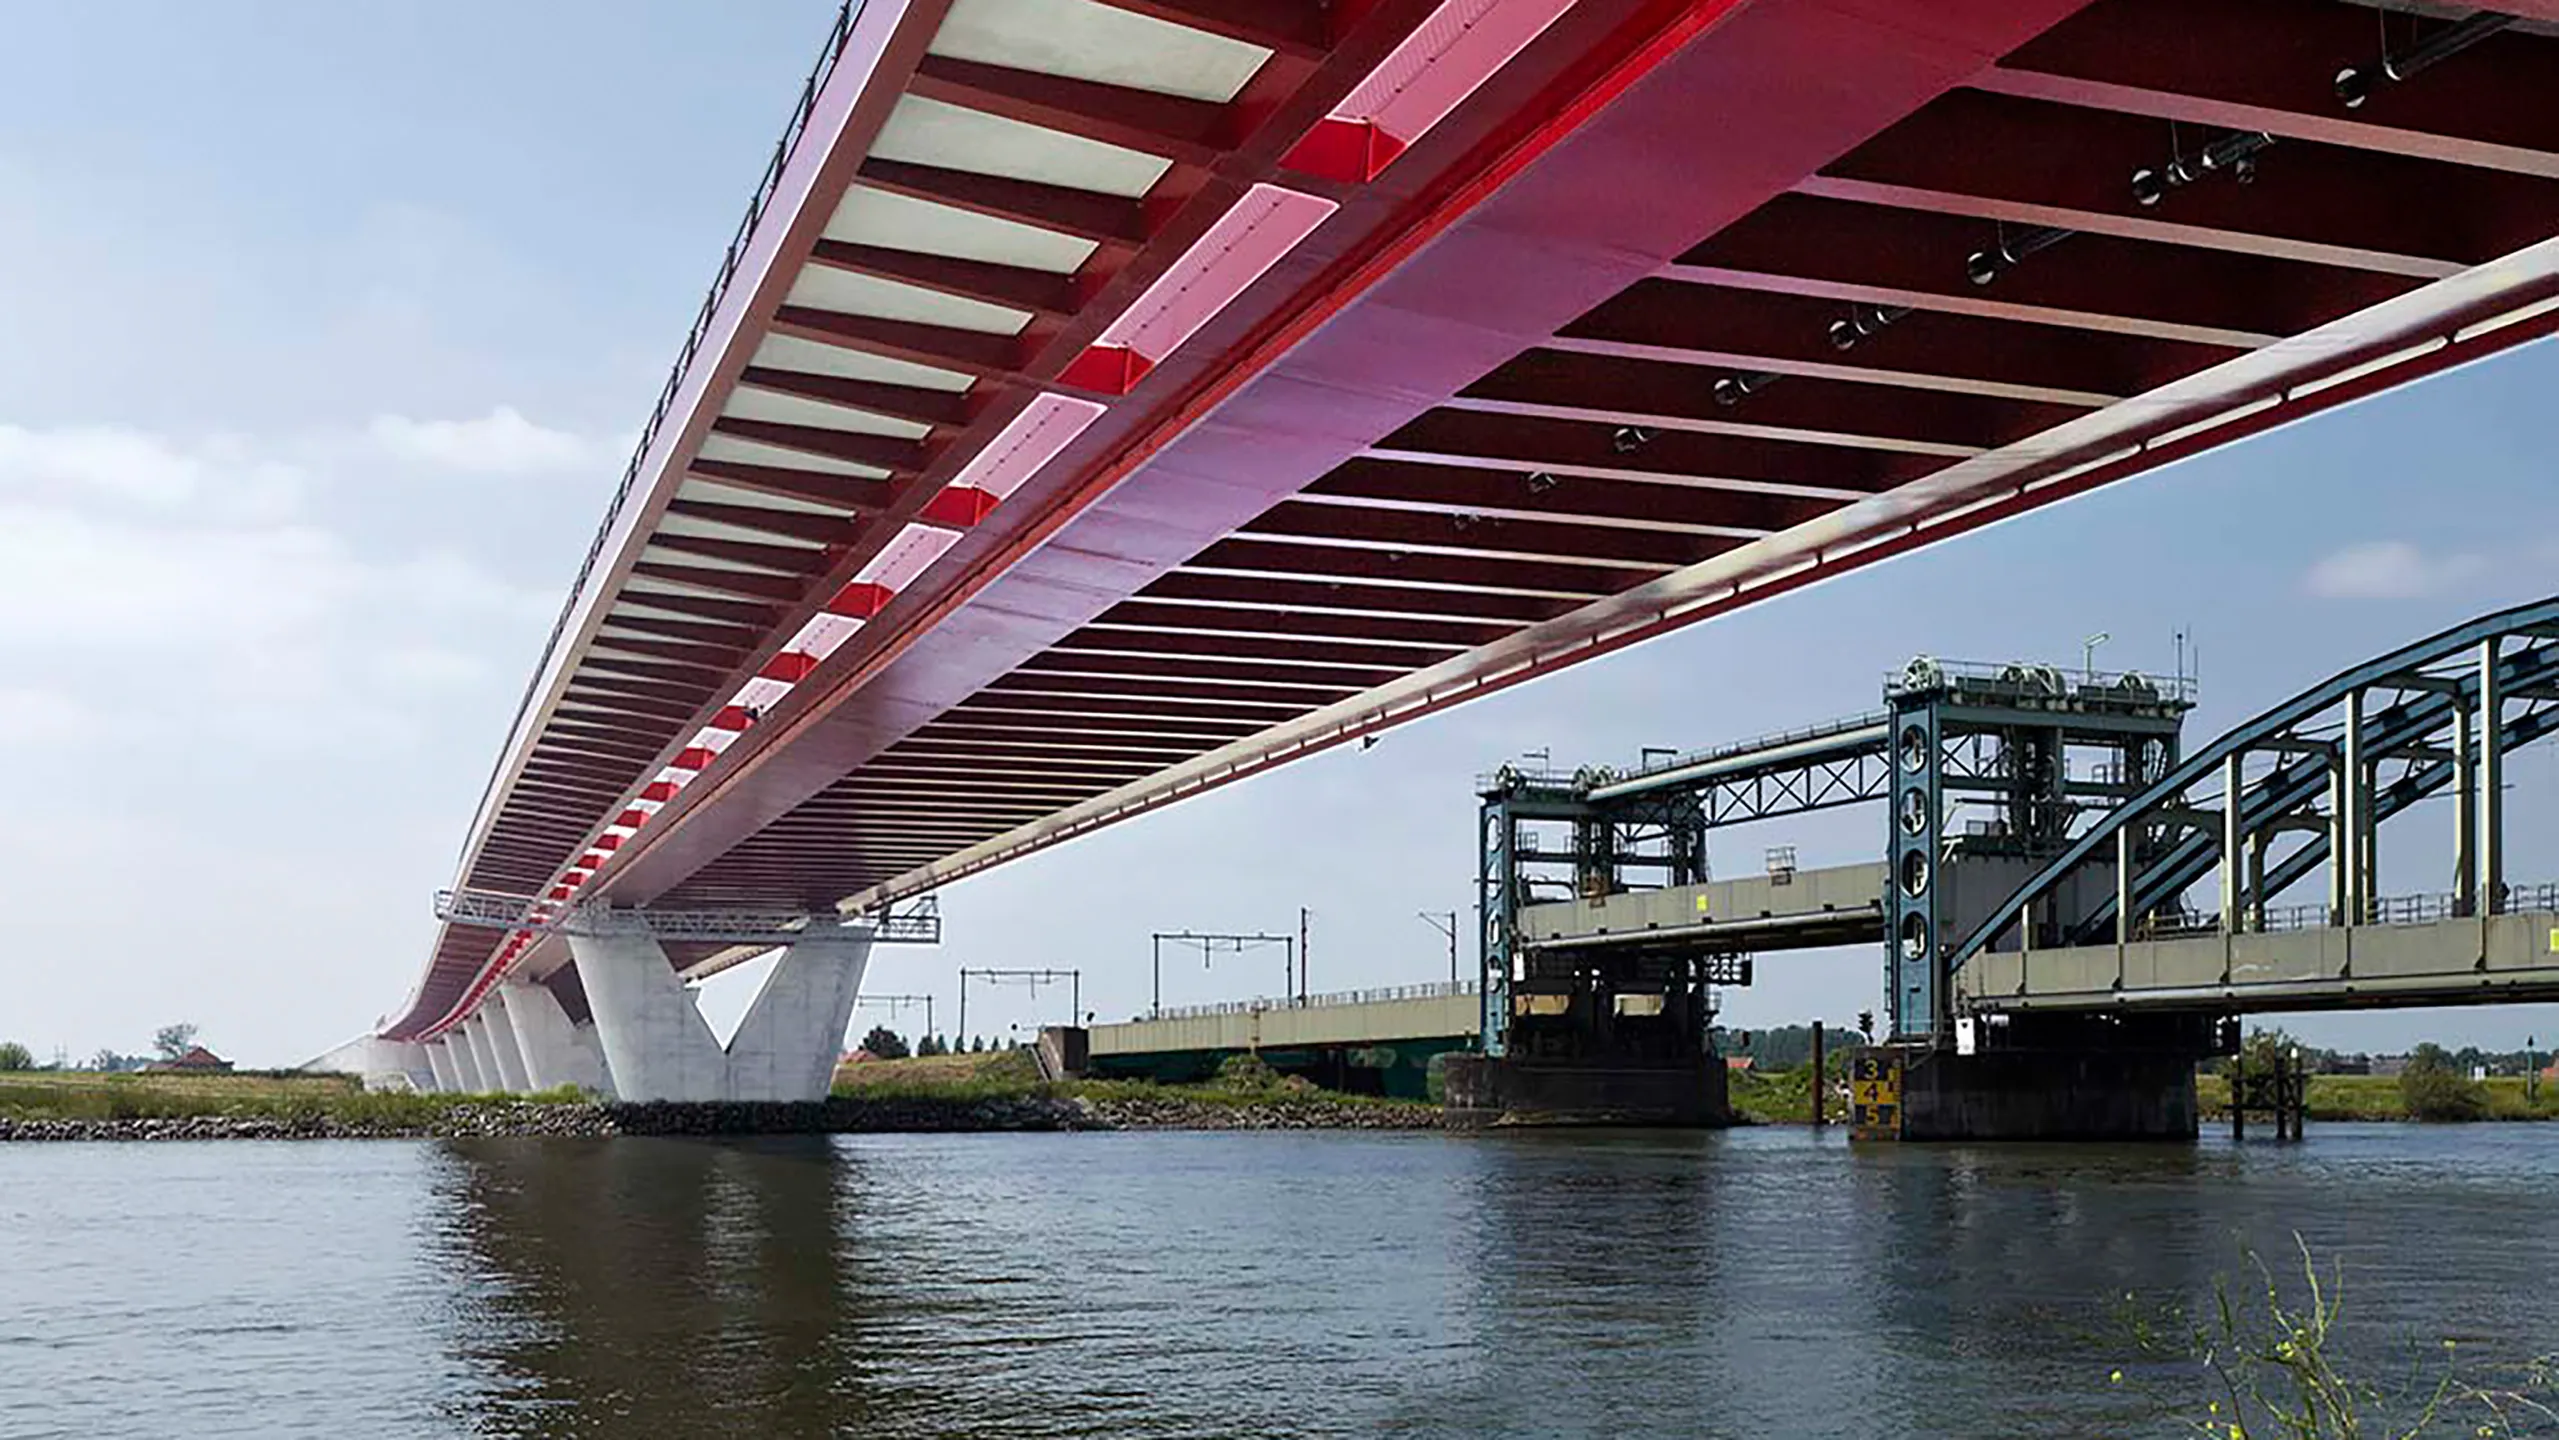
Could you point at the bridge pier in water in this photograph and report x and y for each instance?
(657, 1046)
(2066, 1078)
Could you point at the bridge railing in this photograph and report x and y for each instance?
(1435, 990)
(765, 186)
(2425, 909)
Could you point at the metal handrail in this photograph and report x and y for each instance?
(783, 150)
(2426, 909)
(1434, 990)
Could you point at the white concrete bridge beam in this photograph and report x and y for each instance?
(657, 1046)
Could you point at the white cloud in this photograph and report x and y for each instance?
(501, 442)
(41, 717)
(2388, 570)
(178, 589)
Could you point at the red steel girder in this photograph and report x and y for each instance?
(848, 492)
(1584, 499)
(915, 403)
(1150, 616)
(884, 452)
(2272, 64)
(1181, 129)
(1805, 244)
(1496, 536)
(752, 584)
(1530, 416)
(796, 524)
(1110, 220)
(1040, 292)
(1297, 561)
(1994, 156)
(1729, 328)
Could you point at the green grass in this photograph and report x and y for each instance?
(80, 1095)
(2377, 1097)
(1014, 1075)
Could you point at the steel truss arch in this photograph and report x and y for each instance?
(2175, 835)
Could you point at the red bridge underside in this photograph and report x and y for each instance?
(1468, 432)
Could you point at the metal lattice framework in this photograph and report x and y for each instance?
(2305, 786)
(920, 924)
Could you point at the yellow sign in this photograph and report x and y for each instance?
(2554, 936)
(1874, 1096)
(2554, 942)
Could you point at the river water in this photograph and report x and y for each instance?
(1753, 1283)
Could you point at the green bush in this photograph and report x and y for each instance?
(2437, 1093)
(1247, 1071)
(14, 1056)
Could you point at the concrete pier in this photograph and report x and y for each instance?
(657, 1046)
(1486, 1090)
(2049, 1095)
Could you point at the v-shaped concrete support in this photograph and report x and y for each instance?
(658, 1046)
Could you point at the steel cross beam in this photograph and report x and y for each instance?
(491, 910)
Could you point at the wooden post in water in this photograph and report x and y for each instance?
(2239, 1097)
(1821, 1087)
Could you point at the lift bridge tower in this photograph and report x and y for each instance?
(1606, 935)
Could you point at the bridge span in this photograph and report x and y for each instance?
(1106, 399)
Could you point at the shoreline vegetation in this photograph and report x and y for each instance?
(983, 1092)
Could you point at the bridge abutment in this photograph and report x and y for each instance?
(657, 1046)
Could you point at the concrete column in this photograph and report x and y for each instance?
(466, 1061)
(556, 1051)
(657, 1046)
(502, 1043)
(787, 1046)
(448, 1079)
(483, 1054)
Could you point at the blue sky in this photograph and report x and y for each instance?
(323, 333)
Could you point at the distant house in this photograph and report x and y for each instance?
(1737, 1062)
(197, 1060)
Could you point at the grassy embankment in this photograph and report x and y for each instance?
(87, 1095)
(1014, 1075)
(1783, 1097)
